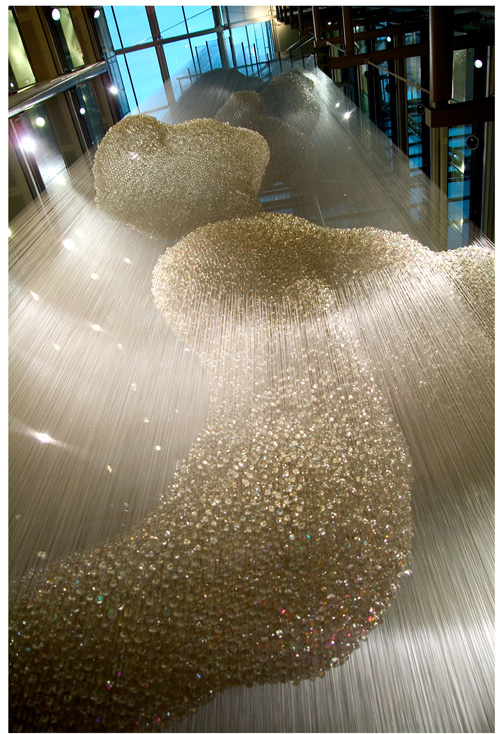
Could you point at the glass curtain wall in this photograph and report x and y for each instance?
(187, 45)
(397, 108)
(20, 71)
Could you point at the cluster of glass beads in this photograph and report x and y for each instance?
(245, 109)
(283, 534)
(472, 271)
(291, 97)
(189, 174)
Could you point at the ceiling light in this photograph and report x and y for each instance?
(40, 121)
(56, 14)
(97, 13)
(113, 89)
(69, 244)
(478, 64)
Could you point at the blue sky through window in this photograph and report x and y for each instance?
(170, 20)
(133, 24)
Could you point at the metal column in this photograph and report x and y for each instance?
(165, 75)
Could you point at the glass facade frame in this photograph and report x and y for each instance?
(20, 72)
(188, 41)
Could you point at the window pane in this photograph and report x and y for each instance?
(206, 52)
(133, 24)
(199, 17)
(251, 44)
(180, 63)
(71, 44)
(40, 141)
(238, 13)
(21, 68)
(91, 113)
(127, 82)
(146, 78)
(113, 30)
(170, 20)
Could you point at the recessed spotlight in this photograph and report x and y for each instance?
(56, 14)
(40, 121)
(96, 327)
(97, 13)
(69, 244)
(114, 90)
(478, 64)
(82, 110)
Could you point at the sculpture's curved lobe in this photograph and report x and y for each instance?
(281, 539)
(184, 175)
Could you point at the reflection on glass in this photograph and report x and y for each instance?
(93, 120)
(20, 71)
(459, 171)
(69, 41)
(41, 142)
(463, 75)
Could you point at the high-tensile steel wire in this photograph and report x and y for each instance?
(104, 401)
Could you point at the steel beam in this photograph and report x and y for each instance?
(347, 30)
(317, 27)
(463, 113)
(377, 57)
(441, 54)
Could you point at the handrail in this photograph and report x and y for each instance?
(40, 92)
